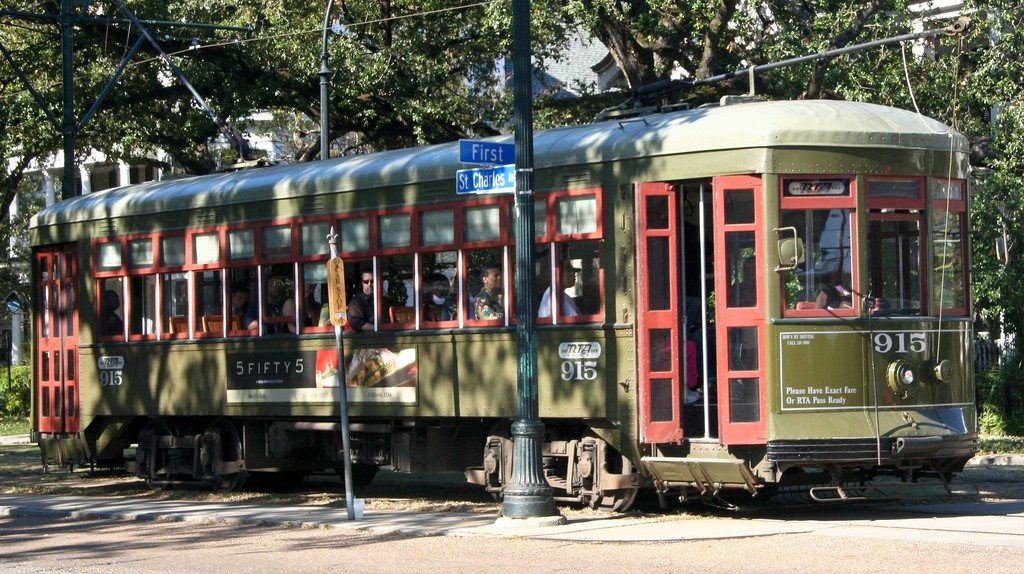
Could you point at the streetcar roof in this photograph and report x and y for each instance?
(770, 124)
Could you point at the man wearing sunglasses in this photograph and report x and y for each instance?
(360, 307)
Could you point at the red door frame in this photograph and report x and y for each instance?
(729, 316)
(661, 422)
(56, 333)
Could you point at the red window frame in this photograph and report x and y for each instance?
(952, 206)
(821, 203)
(911, 209)
(553, 239)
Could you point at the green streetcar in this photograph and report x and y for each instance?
(731, 300)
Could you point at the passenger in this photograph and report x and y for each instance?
(692, 379)
(473, 286)
(832, 294)
(438, 305)
(488, 304)
(281, 303)
(567, 305)
(111, 323)
(360, 308)
(242, 308)
(311, 307)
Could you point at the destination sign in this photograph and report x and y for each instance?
(491, 153)
(500, 179)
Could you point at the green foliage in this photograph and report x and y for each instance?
(1001, 394)
(13, 426)
(15, 400)
(1001, 445)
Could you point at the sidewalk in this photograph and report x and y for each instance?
(609, 528)
(987, 522)
(6, 440)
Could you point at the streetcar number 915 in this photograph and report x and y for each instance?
(579, 360)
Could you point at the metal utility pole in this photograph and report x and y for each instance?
(325, 84)
(527, 495)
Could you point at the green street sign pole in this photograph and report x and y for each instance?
(527, 495)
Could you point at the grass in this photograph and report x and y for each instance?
(989, 444)
(9, 426)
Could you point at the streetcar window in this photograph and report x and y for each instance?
(278, 299)
(482, 224)
(209, 301)
(172, 251)
(111, 311)
(945, 189)
(143, 305)
(314, 309)
(576, 215)
(277, 241)
(439, 277)
(240, 244)
(394, 230)
(175, 302)
(824, 281)
(486, 297)
(108, 256)
(743, 348)
(314, 238)
(894, 261)
(744, 400)
(205, 248)
(657, 212)
(741, 263)
(243, 302)
(947, 227)
(661, 400)
(437, 227)
(948, 265)
(895, 243)
(739, 206)
(355, 234)
(659, 291)
(398, 292)
(140, 253)
(894, 189)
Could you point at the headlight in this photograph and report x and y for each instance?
(902, 378)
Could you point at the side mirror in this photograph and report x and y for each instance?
(791, 249)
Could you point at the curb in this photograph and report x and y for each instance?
(997, 460)
(18, 439)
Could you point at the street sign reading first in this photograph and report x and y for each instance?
(490, 153)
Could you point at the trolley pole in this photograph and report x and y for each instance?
(527, 494)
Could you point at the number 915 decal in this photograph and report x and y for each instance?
(902, 342)
(579, 360)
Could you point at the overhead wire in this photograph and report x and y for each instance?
(321, 30)
(951, 132)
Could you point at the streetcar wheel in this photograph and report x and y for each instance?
(222, 445)
(619, 500)
(150, 457)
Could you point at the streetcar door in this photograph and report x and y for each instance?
(739, 309)
(658, 314)
(56, 348)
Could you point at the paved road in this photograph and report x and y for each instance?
(977, 538)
